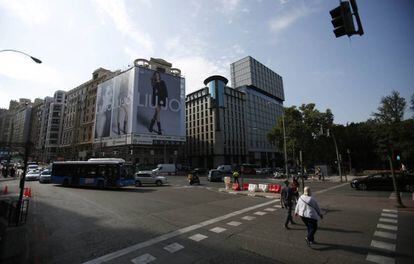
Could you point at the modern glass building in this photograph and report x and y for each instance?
(264, 105)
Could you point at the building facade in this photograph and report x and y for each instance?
(215, 125)
(264, 105)
(78, 120)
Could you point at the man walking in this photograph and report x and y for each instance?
(287, 196)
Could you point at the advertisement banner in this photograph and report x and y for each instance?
(141, 102)
(159, 108)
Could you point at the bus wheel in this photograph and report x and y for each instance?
(138, 184)
(65, 182)
(158, 183)
(100, 184)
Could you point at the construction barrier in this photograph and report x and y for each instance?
(5, 190)
(263, 187)
(252, 187)
(274, 188)
(245, 186)
(236, 187)
(227, 183)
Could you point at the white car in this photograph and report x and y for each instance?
(45, 176)
(148, 177)
(32, 175)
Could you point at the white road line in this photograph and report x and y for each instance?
(390, 210)
(387, 227)
(270, 209)
(380, 259)
(172, 234)
(248, 217)
(277, 206)
(143, 259)
(385, 235)
(388, 220)
(389, 215)
(197, 237)
(174, 247)
(218, 230)
(234, 223)
(331, 188)
(260, 213)
(383, 245)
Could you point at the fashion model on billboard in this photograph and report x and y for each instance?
(159, 97)
(103, 112)
(121, 107)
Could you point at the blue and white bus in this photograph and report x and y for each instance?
(94, 172)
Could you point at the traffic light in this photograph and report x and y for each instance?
(342, 20)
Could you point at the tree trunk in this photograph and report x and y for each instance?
(394, 181)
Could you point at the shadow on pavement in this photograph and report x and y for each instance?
(137, 189)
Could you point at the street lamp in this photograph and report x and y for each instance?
(21, 52)
(284, 144)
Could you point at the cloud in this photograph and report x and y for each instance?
(228, 6)
(117, 11)
(28, 11)
(238, 49)
(289, 17)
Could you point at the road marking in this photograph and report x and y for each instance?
(277, 206)
(331, 188)
(389, 215)
(390, 210)
(260, 213)
(387, 227)
(218, 230)
(385, 235)
(198, 237)
(143, 259)
(388, 220)
(270, 209)
(380, 259)
(174, 247)
(234, 223)
(248, 217)
(383, 245)
(172, 234)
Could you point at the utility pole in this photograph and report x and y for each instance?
(349, 161)
(284, 145)
(337, 157)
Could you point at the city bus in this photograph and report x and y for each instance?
(99, 173)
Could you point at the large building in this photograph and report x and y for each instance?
(215, 124)
(140, 114)
(264, 105)
(79, 114)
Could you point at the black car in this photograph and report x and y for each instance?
(383, 181)
(214, 175)
(199, 171)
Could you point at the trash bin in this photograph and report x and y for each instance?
(227, 183)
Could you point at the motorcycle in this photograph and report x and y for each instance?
(193, 179)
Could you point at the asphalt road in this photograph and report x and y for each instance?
(178, 223)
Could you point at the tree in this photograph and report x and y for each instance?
(412, 104)
(391, 109)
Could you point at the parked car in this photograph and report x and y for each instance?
(383, 181)
(45, 176)
(148, 177)
(199, 171)
(163, 169)
(225, 168)
(263, 171)
(215, 175)
(32, 175)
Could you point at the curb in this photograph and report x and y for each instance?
(261, 195)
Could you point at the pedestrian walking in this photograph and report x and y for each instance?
(236, 177)
(308, 209)
(287, 197)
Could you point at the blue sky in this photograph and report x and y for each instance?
(293, 38)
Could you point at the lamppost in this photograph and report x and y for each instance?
(21, 52)
(338, 158)
(26, 151)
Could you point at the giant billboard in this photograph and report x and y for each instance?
(139, 106)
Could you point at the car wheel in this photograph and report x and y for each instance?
(65, 182)
(158, 183)
(363, 187)
(138, 184)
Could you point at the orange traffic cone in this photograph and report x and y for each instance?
(30, 192)
(26, 192)
(5, 190)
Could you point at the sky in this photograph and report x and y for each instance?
(292, 37)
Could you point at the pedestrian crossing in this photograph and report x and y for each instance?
(384, 238)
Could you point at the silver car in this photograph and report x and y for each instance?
(45, 176)
(148, 177)
(32, 175)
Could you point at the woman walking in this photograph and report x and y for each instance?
(308, 209)
(159, 97)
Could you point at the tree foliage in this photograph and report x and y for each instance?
(412, 104)
(391, 109)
